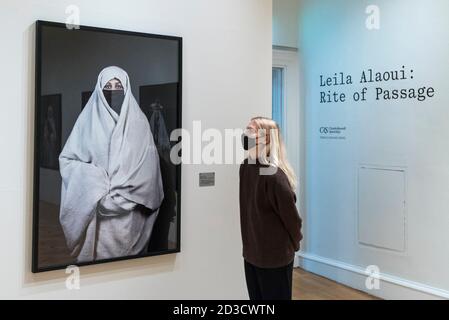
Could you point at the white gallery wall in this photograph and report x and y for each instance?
(227, 79)
(377, 164)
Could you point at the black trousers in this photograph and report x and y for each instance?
(269, 283)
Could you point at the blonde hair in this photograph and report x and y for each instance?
(275, 154)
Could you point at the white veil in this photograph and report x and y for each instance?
(109, 166)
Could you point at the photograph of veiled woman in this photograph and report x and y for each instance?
(111, 178)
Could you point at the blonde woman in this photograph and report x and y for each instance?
(270, 223)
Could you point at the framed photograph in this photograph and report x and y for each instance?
(105, 188)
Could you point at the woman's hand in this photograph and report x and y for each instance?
(113, 205)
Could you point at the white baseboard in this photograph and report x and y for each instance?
(391, 287)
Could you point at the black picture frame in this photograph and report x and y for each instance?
(35, 268)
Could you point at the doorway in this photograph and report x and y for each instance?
(286, 103)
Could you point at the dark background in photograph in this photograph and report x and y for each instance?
(85, 96)
(50, 131)
(70, 63)
(159, 103)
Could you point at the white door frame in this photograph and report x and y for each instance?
(288, 60)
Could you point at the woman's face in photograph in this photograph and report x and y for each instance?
(113, 84)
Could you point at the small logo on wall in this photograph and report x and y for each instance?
(324, 130)
(337, 133)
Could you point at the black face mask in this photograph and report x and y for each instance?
(115, 99)
(248, 142)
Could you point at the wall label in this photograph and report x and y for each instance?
(376, 92)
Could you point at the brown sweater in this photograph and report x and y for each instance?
(270, 223)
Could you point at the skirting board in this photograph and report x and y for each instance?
(390, 287)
